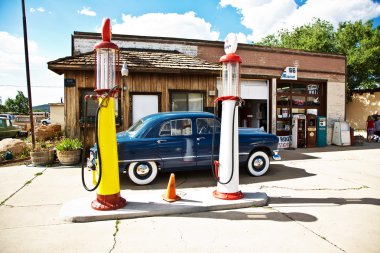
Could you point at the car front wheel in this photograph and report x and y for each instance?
(258, 163)
(142, 173)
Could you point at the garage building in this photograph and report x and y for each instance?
(174, 74)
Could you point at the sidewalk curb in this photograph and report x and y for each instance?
(148, 204)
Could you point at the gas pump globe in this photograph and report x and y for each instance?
(107, 59)
(227, 168)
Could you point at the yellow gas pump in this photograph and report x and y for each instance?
(106, 63)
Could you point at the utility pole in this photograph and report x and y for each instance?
(28, 74)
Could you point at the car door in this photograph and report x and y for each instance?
(176, 144)
(6, 129)
(3, 133)
(204, 136)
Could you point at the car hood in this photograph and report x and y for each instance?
(246, 131)
(257, 132)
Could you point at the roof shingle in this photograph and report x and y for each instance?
(141, 60)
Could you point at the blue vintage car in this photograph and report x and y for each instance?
(182, 141)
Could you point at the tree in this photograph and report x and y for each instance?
(2, 108)
(318, 37)
(359, 42)
(19, 105)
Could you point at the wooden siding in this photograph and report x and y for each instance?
(144, 83)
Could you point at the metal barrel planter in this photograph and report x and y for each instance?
(70, 157)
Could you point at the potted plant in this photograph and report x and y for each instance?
(42, 154)
(69, 151)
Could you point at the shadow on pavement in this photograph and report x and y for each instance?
(194, 179)
(306, 153)
(334, 201)
(273, 216)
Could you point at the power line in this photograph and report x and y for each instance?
(24, 86)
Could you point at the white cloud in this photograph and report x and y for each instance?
(242, 38)
(39, 9)
(265, 17)
(186, 25)
(87, 11)
(13, 74)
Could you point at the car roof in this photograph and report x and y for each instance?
(172, 115)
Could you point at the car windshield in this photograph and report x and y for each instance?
(135, 127)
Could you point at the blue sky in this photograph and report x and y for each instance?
(51, 23)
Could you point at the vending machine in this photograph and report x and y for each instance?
(311, 129)
(341, 134)
(321, 131)
(299, 131)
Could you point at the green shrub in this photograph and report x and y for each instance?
(68, 144)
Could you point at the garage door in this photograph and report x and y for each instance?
(254, 89)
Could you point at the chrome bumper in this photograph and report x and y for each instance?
(276, 156)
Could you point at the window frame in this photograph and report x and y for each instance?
(187, 93)
(210, 125)
(91, 119)
(171, 128)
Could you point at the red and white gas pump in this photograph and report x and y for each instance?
(229, 94)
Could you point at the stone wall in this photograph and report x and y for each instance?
(362, 105)
(336, 101)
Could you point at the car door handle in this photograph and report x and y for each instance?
(200, 138)
(160, 141)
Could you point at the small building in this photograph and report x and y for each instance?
(173, 74)
(57, 113)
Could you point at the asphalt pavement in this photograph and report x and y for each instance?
(320, 200)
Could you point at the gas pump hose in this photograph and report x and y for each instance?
(216, 178)
(98, 147)
(105, 99)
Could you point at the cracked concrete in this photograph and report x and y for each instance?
(320, 200)
(19, 189)
(117, 222)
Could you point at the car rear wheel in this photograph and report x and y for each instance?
(258, 163)
(142, 173)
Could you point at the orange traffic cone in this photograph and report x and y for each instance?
(170, 195)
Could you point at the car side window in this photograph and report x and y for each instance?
(206, 125)
(2, 123)
(165, 129)
(176, 127)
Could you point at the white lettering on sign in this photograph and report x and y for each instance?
(283, 141)
(290, 73)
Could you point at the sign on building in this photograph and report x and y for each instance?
(289, 73)
(284, 141)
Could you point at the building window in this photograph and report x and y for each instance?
(297, 98)
(92, 106)
(187, 101)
